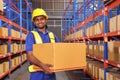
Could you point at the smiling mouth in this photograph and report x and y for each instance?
(40, 25)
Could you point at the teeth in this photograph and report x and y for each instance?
(40, 25)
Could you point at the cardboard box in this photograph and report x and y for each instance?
(1, 68)
(63, 56)
(113, 50)
(99, 28)
(3, 49)
(113, 24)
(1, 5)
(3, 31)
(118, 22)
(5, 66)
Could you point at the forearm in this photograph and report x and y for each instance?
(34, 60)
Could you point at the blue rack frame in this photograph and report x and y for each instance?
(87, 15)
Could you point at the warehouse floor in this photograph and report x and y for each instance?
(23, 74)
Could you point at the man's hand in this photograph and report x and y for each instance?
(46, 68)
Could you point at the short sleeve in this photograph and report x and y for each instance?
(29, 42)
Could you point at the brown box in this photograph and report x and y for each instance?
(99, 28)
(88, 31)
(113, 24)
(119, 53)
(3, 31)
(3, 49)
(63, 56)
(118, 22)
(113, 50)
(113, 75)
(1, 68)
(1, 5)
(5, 66)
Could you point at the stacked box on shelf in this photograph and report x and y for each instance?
(24, 57)
(101, 52)
(5, 66)
(99, 28)
(101, 74)
(14, 47)
(15, 33)
(95, 69)
(113, 24)
(113, 75)
(3, 49)
(12, 33)
(95, 50)
(18, 47)
(23, 46)
(1, 5)
(113, 51)
(88, 31)
(23, 36)
(1, 68)
(118, 22)
(91, 49)
(87, 49)
(12, 63)
(17, 60)
(93, 30)
(3, 31)
(11, 48)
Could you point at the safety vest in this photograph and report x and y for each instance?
(38, 40)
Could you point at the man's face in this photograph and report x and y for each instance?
(40, 22)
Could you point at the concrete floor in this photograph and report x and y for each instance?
(23, 74)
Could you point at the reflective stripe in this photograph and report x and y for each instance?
(33, 68)
(38, 40)
(37, 37)
(51, 36)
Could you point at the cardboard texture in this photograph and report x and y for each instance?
(113, 75)
(3, 31)
(5, 66)
(95, 69)
(118, 22)
(1, 5)
(113, 24)
(63, 56)
(1, 68)
(113, 51)
(3, 49)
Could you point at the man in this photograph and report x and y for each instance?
(39, 18)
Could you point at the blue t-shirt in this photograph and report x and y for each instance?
(30, 39)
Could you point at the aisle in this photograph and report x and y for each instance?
(20, 73)
(23, 74)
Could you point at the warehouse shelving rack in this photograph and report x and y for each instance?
(16, 16)
(86, 16)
